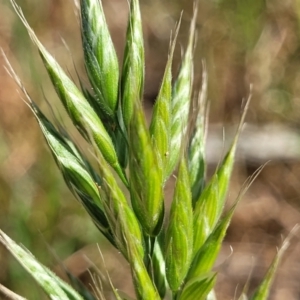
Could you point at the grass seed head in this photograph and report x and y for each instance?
(180, 255)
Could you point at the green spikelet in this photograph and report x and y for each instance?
(160, 127)
(123, 223)
(78, 108)
(145, 175)
(196, 157)
(210, 204)
(100, 56)
(179, 237)
(181, 99)
(132, 79)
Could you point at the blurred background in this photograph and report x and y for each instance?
(242, 42)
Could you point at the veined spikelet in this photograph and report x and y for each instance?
(181, 99)
(179, 236)
(100, 56)
(122, 220)
(127, 233)
(133, 73)
(196, 151)
(144, 287)
(160, 126)
(209, 206)
(146, 180)
(78, 108)
(205, 257)
(78, 174)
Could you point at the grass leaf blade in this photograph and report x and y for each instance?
(53, 286)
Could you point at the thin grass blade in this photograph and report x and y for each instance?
(53, 286)
(8, 294)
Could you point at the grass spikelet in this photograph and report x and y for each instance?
(199, 287)
(179, 236)
(160, 126)
(205, 257)
(133, 72)
(142, 282)
(83, 116)
(79, 176)
(181, 99)
(145, 175)
(127, 234)
(263, 291)
(210, 204)
(123, 222)
(196, 151)
(100, 56)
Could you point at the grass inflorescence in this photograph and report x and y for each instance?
(170, 254)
